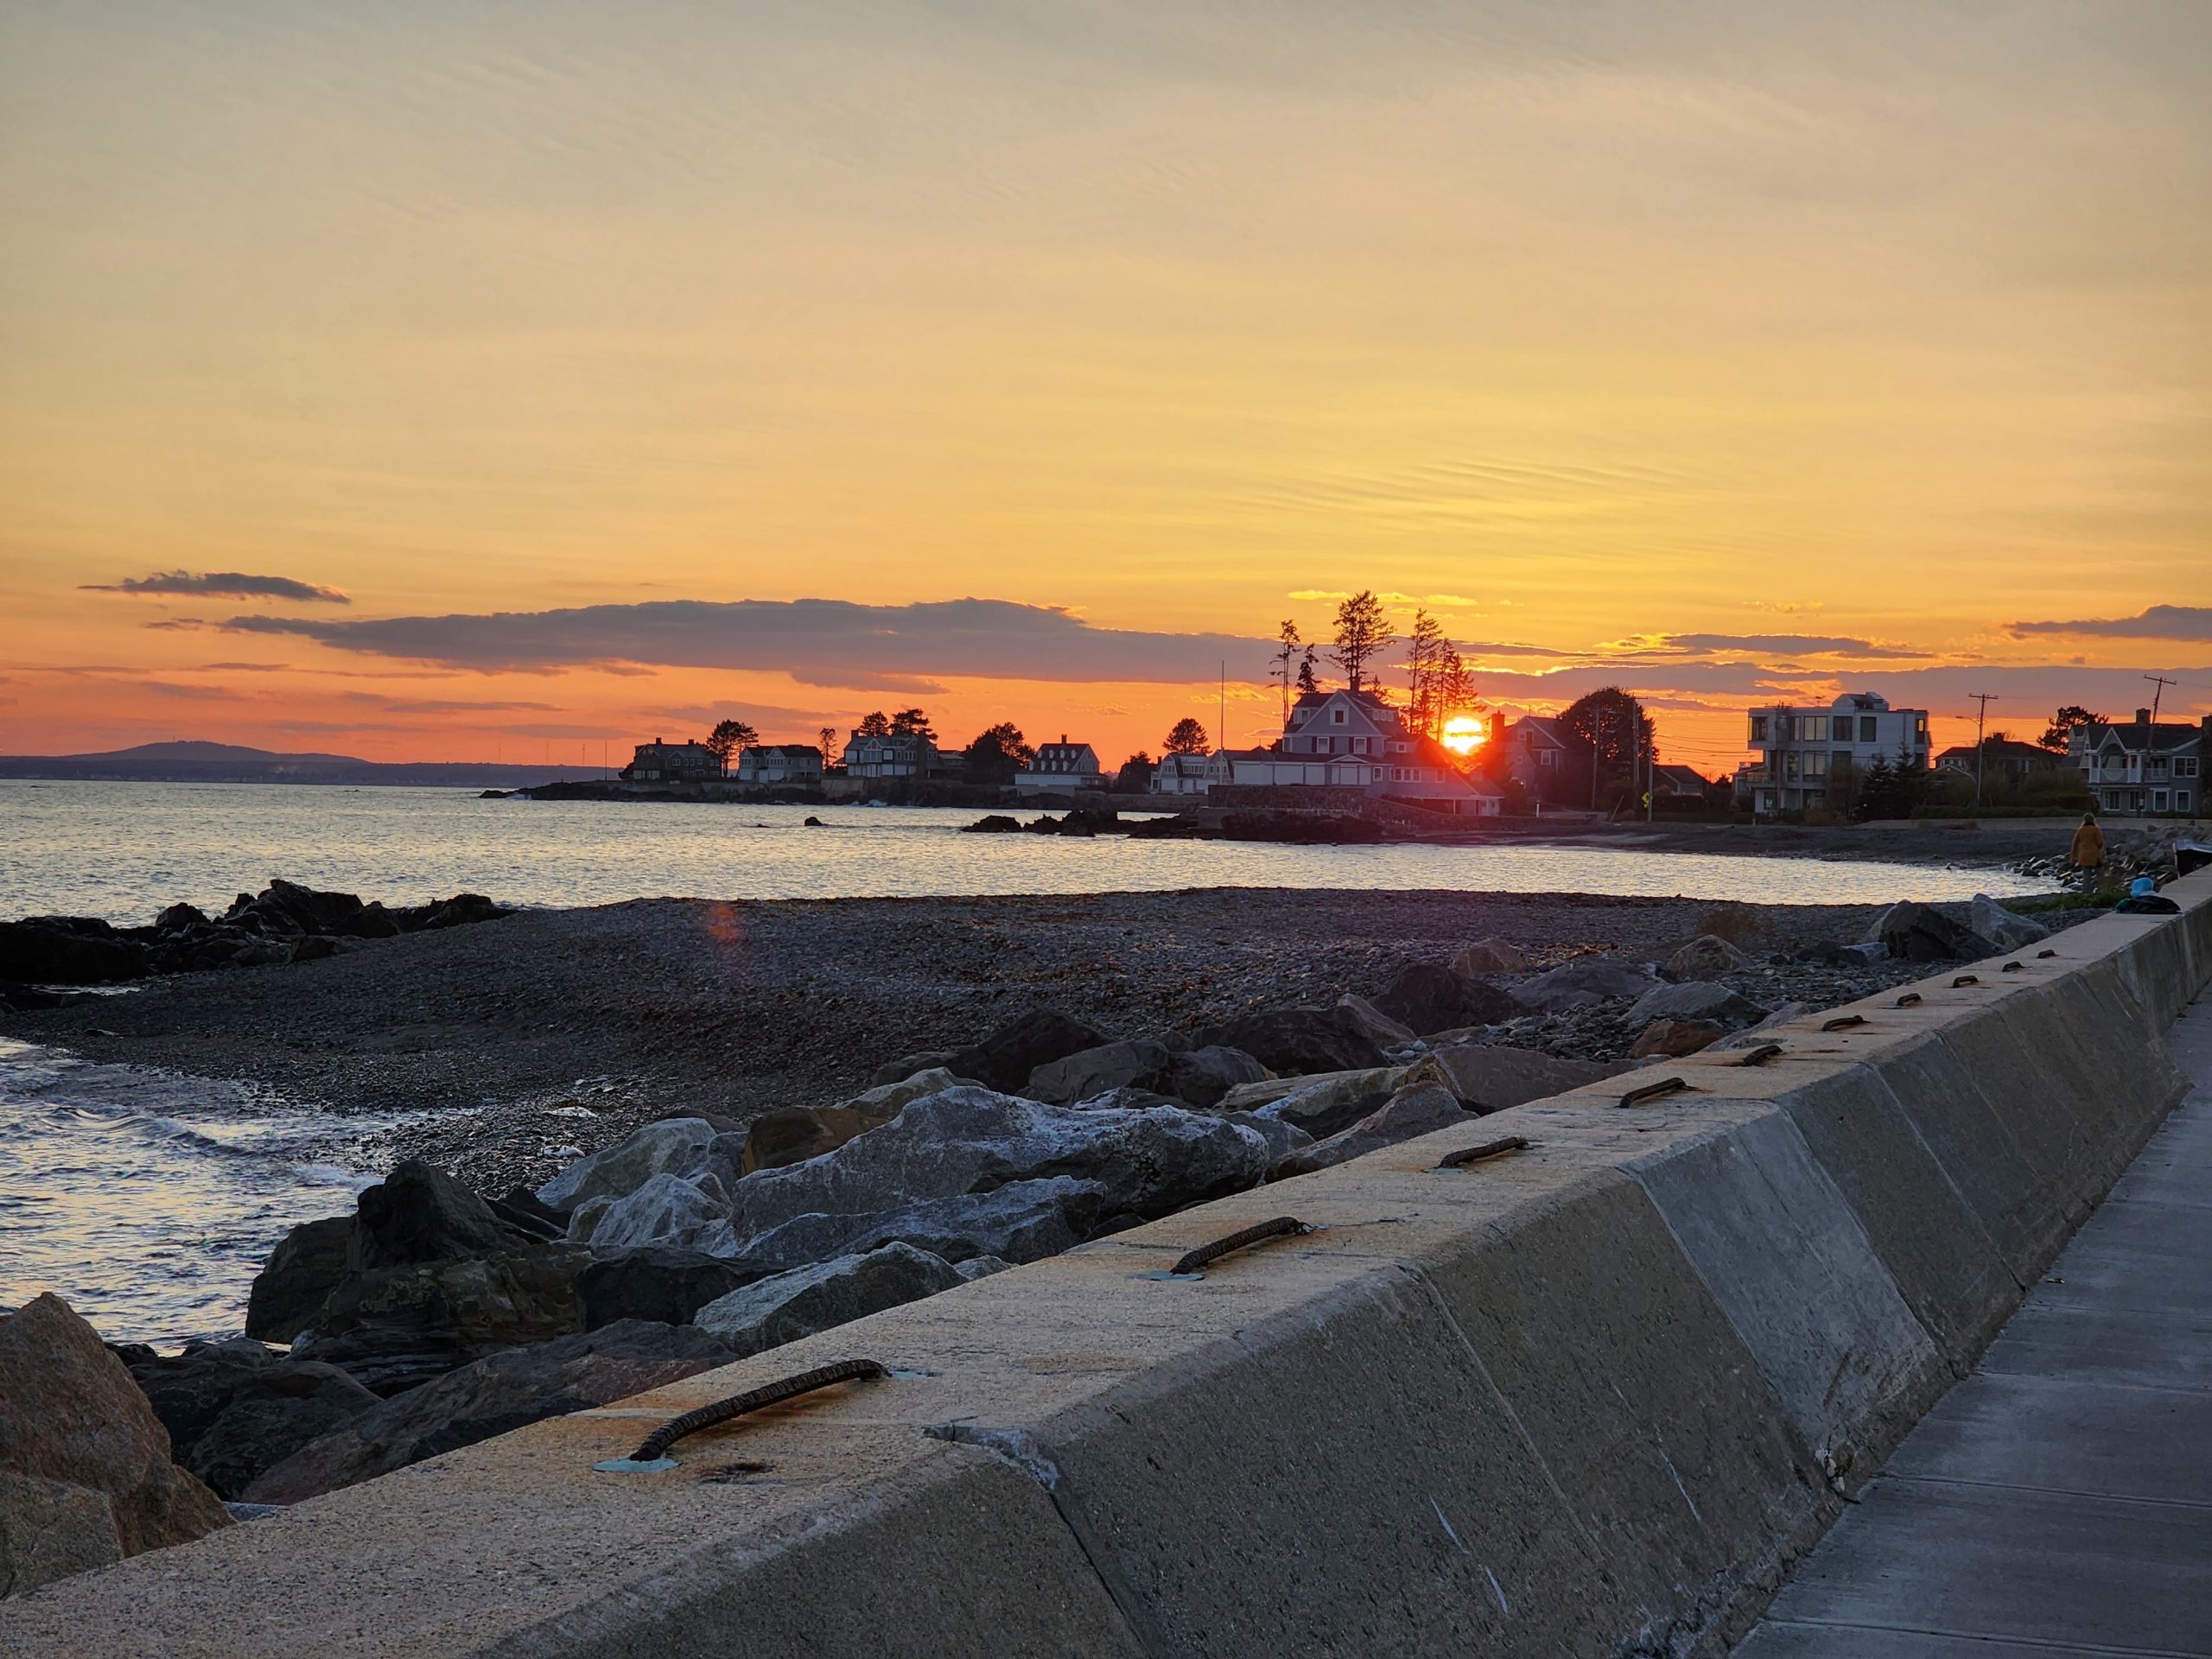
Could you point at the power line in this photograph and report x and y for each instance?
(2161, 683)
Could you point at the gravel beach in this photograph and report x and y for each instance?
(565, 1028)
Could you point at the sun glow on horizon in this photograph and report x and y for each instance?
(1465, 734)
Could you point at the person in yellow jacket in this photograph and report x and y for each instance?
(2088, 848)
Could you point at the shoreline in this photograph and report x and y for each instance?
(567, 1028)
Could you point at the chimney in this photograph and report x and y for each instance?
(2142, 716)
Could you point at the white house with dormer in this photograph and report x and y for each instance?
(1353, 739)
(1058, 767)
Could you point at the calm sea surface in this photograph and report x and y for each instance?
(124, 850)
(148, 1200)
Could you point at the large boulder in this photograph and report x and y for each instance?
(1492, 957)
(1705, 956)
(502, 1392)
(70, 1414)
(1004, 1059)
(1335, 1102)
(1379, 1028)
(1092, 1071)
(1201, 1077)
(419, 1213)
(50, 1528)
(962, 1140)
(658, 1282)
(2007, 930)
(271, 1418)
(833, 1292)
(690, 1212)
(394, 1328)
(792, 1134)
(675, 1145)
(1428, 996)
(1021, 1221)
(927, 1059)
(1672, 1038)
(1698, 1000)
(1915, 933)
(68, 951)
(1421, 1109)
(1490, 1077)
(1581, 984)
(308, 1264)
(1296, 1041)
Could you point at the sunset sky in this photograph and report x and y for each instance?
(559, 375)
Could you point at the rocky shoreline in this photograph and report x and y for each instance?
(1188, 1047)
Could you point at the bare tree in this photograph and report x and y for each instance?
(828, 737)
(1286, 647)
(1425, 646)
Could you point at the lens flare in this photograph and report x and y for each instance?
(1463, 735)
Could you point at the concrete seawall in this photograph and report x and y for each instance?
(1590, 1397)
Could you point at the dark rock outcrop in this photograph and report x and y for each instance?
(1672, 1038)
(1021, 1221)
(1428, 996)
(502, 1392)
(1200, 1076)
(1004, 1059)
(419, 1213)
(1295, 1041)
(658, 1282)
(308, 1264)
(394, 1328)
(69, 950)
(1092, 1071)
(1421, 1109)
(1581, 984)
(234, 1409)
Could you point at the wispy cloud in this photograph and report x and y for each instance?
(1796, 644)
(228, 584)
(826, 642)
(2158, 622)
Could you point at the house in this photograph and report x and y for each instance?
(1809, 759)
(2001, 758)
(1535, 754)
(2143, 766)
(780, 763)
(663, 762)
(1060, 767)
(1182, 774)
(892, 755)
(1678, 782)
(1354, 741)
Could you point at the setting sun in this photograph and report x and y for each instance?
(1464, 733)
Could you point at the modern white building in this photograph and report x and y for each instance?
(780, 763)
(1060, 767)
(1807, 757)
(2143, 766)
(1353, 739)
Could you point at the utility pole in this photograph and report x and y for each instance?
(2159, 683)
(1221, 715)
(1982, 700)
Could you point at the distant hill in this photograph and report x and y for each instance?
(191, 761)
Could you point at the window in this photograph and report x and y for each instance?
(1758, 728)
(1840, 729)
(2181, 800)
(1868, 729)
(1545, 757)
(1816, 764)
(2158, 800)
(2185, 766)
(1336, 716)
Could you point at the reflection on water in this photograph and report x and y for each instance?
(125, 850)
(147, 1200)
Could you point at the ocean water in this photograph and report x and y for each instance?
(149, 1200)
(124, 850)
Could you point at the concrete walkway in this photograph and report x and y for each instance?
(2059, 1500)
